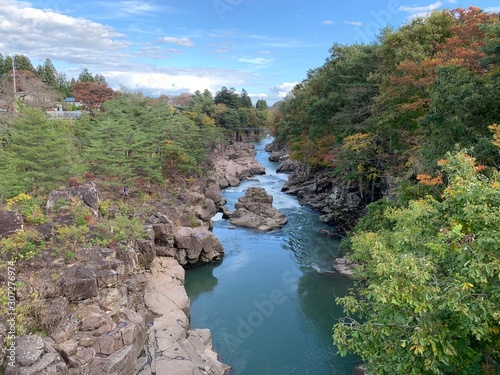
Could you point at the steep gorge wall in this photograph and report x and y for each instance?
(340, 205)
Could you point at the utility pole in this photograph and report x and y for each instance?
(15, 89)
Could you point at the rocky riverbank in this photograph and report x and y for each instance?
(123, 309)
(340, 205)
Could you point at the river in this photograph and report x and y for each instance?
(270, 303)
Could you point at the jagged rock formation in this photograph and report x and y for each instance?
(231, 165)
(255, 210)
(339, 205)
(281, 155)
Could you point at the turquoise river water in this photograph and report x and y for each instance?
(270, 303)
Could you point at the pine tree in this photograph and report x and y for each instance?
(40, 152)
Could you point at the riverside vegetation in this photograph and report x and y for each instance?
(410, 124)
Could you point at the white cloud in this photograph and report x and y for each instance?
(44, 34)
(129, 9)
(178, 41)
(261, 95)
(328, 22)
(173, 81)
(157, 52)
(354, 23)
(283, 89)
(255, 60)
(420, 11)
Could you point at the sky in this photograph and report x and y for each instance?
(178, 46)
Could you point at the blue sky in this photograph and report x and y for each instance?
(171, 47)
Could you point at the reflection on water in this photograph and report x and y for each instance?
(204, 283)
(271, 302)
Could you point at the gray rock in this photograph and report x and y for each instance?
(80, 283)
(163, 233)
(121, 362)
(89, 194)
(196, 245)
(29, 349)
(53, 312)
(10, 223)
(254, 210)
(146, 252)
(41, 365)
(65, 330)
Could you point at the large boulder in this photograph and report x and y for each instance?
(196, 245)
(89, 194)
(29, 349)
(80, 283)
(10, 223)
(255, 210)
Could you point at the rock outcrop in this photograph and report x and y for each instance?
(92, 312)
(281, 155)
(96, 311)
(231, 165)
(255, 210)
(196, 245)
(88, 193)
(344, 266)
(340, 205)
(172, 348)
(10, 223)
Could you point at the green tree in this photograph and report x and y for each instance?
(86, 76)
(261, 105)
(24, 63)
(39, 153)
(3, 67)
(63, 85)
(138, 137)
(429, 299)
(47, 73)
(462, 106)
(228, 97)
(202, 103)
(245, 100)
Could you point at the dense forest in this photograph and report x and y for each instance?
(412, 121)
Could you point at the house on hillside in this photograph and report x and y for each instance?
(40, 99)
(72, 103)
